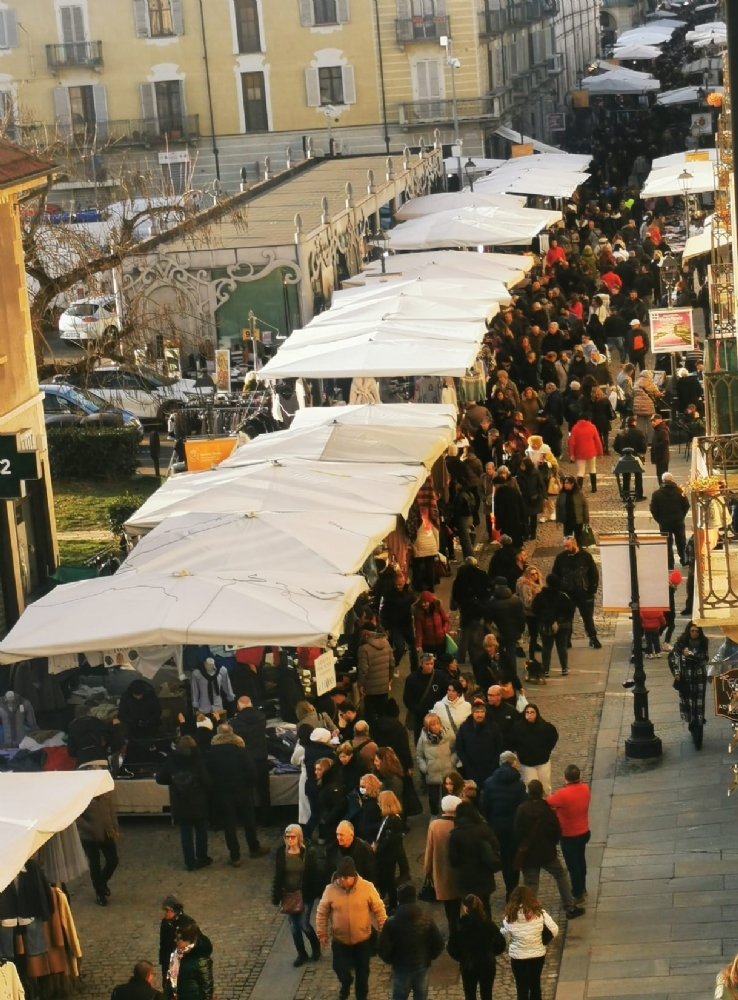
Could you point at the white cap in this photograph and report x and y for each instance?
(449, 803)
(635, 322)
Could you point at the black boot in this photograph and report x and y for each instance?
(697, 733)
(314, 945)
(593, 481)
(302, 957)
(580, 481)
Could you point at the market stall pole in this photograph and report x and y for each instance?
(685, 183)
(642, 744)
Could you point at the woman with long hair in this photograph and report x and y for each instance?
(572, 510)
(726, 983)
(527, 588)
(369, 818)
(523, 928)
(688, 664)
(296, 886)
(388, 769)
(473, 944)
(533, 740)
(435, 757)
(453, 784)
(389, 849)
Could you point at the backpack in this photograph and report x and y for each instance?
(638, 344)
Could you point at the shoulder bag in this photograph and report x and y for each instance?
(587, 539)
(292, 903)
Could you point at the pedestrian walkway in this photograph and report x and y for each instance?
(663, 860)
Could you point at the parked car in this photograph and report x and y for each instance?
(67, 406)
(149, 396)
(89, 319)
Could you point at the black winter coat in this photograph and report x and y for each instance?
(312, 883)
(195, 981)
(136, 989)
(168, 931)
(469, 591)
(467, 857)
(532, 490)
(389, 848)
(631, 438)
(397, 608)
(474, 943)
(410, 939)
(507, 612)
(505, 717)
(537, 831)
(92, 739)
(478, 746)
(669, 506)
(189, 784)
(660, 444)
(332, 797)
(231, 768)
(387, 732)
(368, 821)
(140, 716)
(577, 572)
(414, 696)
(502, 793)
(360, 853)
(250, 725)
(553, 606)
(509, 512)
(533, 742)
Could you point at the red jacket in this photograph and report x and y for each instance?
(431, 626)
(652, 619)
(584, 441)
(572, 808)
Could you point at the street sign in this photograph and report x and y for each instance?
(18, 461)
(556, 121)
(175, 156)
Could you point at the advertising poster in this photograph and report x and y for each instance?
(223, 371)
(204, 455)
(671, 330)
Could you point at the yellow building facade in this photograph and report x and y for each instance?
(28, 549)
(213, 87)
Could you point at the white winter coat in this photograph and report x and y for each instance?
(436, 760)
(460, 710)
(525, 937)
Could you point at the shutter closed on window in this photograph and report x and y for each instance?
(349, 85)
(72, 24)
(312, 88)
(183, 108)
(62, 111)
(342, 11)
(177, 17)
(100, 100)
(141, 18)
(428, 78)
(148, 108)
(404, 10)
(307, 13)
(440, 8)
(11, 30)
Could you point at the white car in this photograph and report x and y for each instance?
(89, 319)
(146, 394)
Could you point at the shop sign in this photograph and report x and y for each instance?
(18, 461)
(556, 121)
(726, 694)
(325, 673)
(204, 455)
(522, 149)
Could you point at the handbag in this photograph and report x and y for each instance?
(411, 804)
(427, 892)
(587, 537)
(451, 646)
(292, 902)
(546, 935)
(554, 486)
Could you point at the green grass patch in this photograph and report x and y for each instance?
(83, 506)
(77, 552)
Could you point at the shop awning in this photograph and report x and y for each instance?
(684, 159)
(291, 485)
(530, 180)
(682, 95)
(379, 415)
(701, 243)
(222, 543)
(452, 201)
(347, 330)
(36, 806)
(637, 51)
(617, 82)
(147, 609)
(445, 265)
(512, 136)
(472, 227)
(664, 182)
(461, 291)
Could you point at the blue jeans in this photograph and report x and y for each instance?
(299, 925)
(405, 980)
(573, 849)
(196, 830)
(351, 960)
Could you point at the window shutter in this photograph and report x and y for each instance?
(307, 13)
(148, 108)
(11, 30)
(4, 29)
(141, 18)
(434, 78)
(177, 17)
(342, 11)
(404, 10)
(349, 85)
(183, 107)
(62, 111)
(440, 6)
(100, 100)
(312, 86)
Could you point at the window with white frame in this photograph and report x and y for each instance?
(163, 109)
(158, 18)
(248, 33)
(322, 12)
(8, 29)
(330, 85)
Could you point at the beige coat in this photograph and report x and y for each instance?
(350, 912)
(436, 859)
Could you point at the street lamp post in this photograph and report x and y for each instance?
(453, 65)
(642, 744)
(470, 169)
(685, 183)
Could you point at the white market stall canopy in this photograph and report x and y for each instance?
(399, 290)
(482, 164)
(36, 806)
(207, 544)
(371, 356)
(147, 609)
(452, 201)
(621, 81)
(292, 485)
(654, 33)
(684, 159)
(702, 242)
(714, 31)
(379, 415)
(472, 227)
(445, 265)
(346, 331)
(637, 51)
(335, 442)
(515, 137)
(664, 182)
(546, 183)
(682, 95)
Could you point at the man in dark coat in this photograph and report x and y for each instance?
(388, 731)
(579, 576)
(469, 592)
(348, 845)
(140, 986)
(633, 438)
(173, 920)
(509, 509)
(505, 610)
(234, 778)
(91, 739)
(478, 744)
(189, 784)
(501, 713)
(423, 688)
(250, 724)
(669, 508)
(660, 453)
(502, 793)
(139, 709)
(538, 832)
(554, 612)
(409, 942)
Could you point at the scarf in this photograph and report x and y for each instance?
(174, 962)
(213, 683)
(433, 738)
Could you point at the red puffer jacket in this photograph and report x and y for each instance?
(431, 626)
(584, 441)
(652, 619)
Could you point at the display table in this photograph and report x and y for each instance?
(144, 797)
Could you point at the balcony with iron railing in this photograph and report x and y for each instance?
(74, 54)
(107, 134)
(421, 29)
(427, 112)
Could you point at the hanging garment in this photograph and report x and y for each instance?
(472, 386)
(62, 858)
(428, 389)
(11, 987)
(208, 689)
(26, 897)
(364, 390)
(14, 716)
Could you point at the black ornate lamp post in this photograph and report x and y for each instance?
(642, 744)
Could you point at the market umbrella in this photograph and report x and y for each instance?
(637, 51)
(137, 609)
(472, 227)
(682, 95)
(289, 485)
(401, 291)
(523, 177)
(450, 201)
(347, 330)
(317, 542)
(617, 83)
(379, 415)
(451, 302)
(442, 265)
